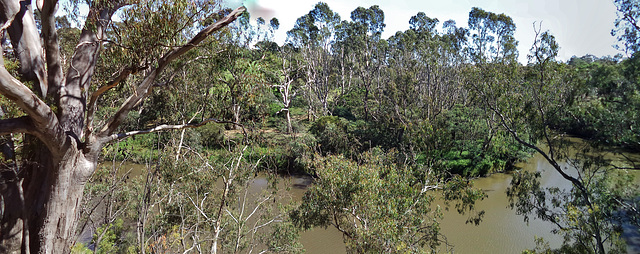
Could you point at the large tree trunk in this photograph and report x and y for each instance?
(63, 205)
(53, 189)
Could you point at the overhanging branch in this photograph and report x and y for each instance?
(115, 80)
(167, 127)
(202, 35)
(145, 88)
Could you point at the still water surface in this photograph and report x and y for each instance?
(501, 230)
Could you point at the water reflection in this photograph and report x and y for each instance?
(501, 230)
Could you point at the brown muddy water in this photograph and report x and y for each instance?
(501, 229)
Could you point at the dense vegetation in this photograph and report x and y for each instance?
(384, 127)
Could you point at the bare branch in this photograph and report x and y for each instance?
(115, 80)
(549, 159)
(166, 127)
(144, 89)
(203, 35)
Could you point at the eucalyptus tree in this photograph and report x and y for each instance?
(361, 40)
(63, 142)
(492, 37)
(456, 37)
(424, 78)
(284, 68)
(313, 33)
(440, 56)
(586, 214)
(627, 25)
(288, 74)
(403, 77)
(380, 206)
(241, 78)
(492, 50)
(236, 71)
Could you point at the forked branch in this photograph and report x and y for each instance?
(145, 88)
(42, 118)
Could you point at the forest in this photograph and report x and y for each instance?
(205, 104)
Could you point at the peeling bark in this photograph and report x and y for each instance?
(26, 43)
(46, 194)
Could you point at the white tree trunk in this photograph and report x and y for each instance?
(289, 127)
(64, 202)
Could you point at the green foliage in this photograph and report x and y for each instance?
(585, 215)
(492, 37)
(465, 143)
(109, 237)
(333, 135)
(607, 105)
(377, 207)
(460, 192)
(444, 106)
(211, 135)
(337, 135)
(139, 149)
(343, 112)
(579, 217)
(80, 248)
(626, 25)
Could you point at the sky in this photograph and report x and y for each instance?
(580, 26)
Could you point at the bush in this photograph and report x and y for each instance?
(462, 143)
(211, 135)
(343, 112)
(333, 135)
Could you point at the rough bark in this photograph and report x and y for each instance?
(62, 209)
(13, 222)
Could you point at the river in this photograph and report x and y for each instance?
(501, 230)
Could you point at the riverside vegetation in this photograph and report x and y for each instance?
(383, 126)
